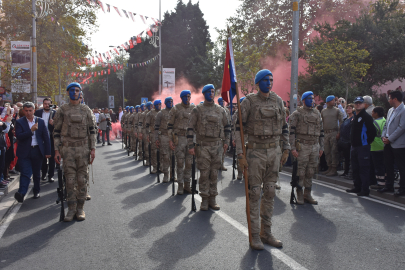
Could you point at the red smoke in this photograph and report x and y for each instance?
(181, 84)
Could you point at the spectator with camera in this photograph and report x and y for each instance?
(105, 125)
(393, 137)
(47, 113)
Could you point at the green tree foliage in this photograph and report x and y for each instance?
(380, 30)
(55, 46)
(338, 58)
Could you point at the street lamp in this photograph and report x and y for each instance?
(121, 76)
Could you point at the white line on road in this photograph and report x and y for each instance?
(10, 217)
(352, 194)
(290, 262)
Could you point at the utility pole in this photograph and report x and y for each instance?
(294, 57)
(160, 49)
(34, 51)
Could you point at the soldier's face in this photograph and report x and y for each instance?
(209, 95)
(266, 84)
(158, 106)
(169, 104)
(186, 99)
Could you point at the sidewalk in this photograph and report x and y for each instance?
(340, 181)
(7, 201)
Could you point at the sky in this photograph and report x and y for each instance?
(114, 30)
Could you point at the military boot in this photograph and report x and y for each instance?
(147, 163)
(88, 197)
(213, 204)
(308, 198)
(223, 168)
(187, 188)
(300, 196)
(267, 237)
(256, 242)
(278, 187)
(154, 170)
(240, 175)
(71, 211)
(204, 204)
(332, 172)
(166, 177)
(80, 213)
(327, 171)
(180, 189)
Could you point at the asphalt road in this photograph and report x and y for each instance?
(134, 223)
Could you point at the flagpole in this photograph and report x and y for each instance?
(160, 49)
(245, 171)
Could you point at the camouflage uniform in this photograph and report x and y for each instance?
(128, 129)
(74, 137)
(264, 121)
(332, 117)
(130, 120)
(123, 127)
(224, 141)
(161, 134)
(150, 125)
(306, 129)
(134, 131)
(142, 130)
(177, 128)
(234, 118)
(211, 125)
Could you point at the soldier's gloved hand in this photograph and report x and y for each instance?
(294, 153)
(172, 146)
(157, 144)
(284, 157)
(320, 153)
(233, 143)
(242, 162)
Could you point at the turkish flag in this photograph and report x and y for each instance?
(115, 68)
(131, 45)
(108, 71)
(102, 73)
(149, 32)
(138, 39)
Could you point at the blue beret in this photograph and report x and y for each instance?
(185, 93)
(168, 99)
(73, 84)
(330, 98)
(127, 107)
(207, 88)
(137, 106)
(261, 74)
(241, 99)
(148, 103)
(220, 99)
(156, 102)
(306, 94)
(142, 105)
(201, 102)
(131, 107)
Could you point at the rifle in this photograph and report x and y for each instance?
(61, 191)
(143, 153)
(193, 186)
(150, 163)
(158, 165)
(173, 165)
(136, 148)
(129, 145)
(294, 181)
(233, 163)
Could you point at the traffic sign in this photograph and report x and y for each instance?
(144, 100)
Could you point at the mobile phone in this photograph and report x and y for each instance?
(12, 111)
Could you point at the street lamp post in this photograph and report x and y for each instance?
(160, 50)
(34, 51)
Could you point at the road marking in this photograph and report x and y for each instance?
(11, 216)
(287, 260)
(344, 191)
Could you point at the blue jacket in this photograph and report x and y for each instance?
(24, 137)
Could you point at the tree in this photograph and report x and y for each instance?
(58, 49)
(338, 58)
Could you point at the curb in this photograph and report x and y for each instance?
(335, 180)
(10, 186)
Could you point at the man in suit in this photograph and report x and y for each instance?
(393, 137)
(33, 145)
(47, 114)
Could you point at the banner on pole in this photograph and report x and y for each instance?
(111, 102)
(169, 79)
(20, 67)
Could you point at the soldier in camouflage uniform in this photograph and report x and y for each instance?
(128, 126)
(177, 128)
(306, 129)
(134, 129)
(211, 124)
(228, 114)
(150, 128)
(123, 127)
(144, 134)
(162, 138)
(234, 118)
(75, 142)
(141, 119)
(264, 121)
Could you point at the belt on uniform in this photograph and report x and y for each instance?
(309, 142)
(74, 144)
(330, 130)
(181, 133)
(210, 143)
(33, 146)
(252, 145)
